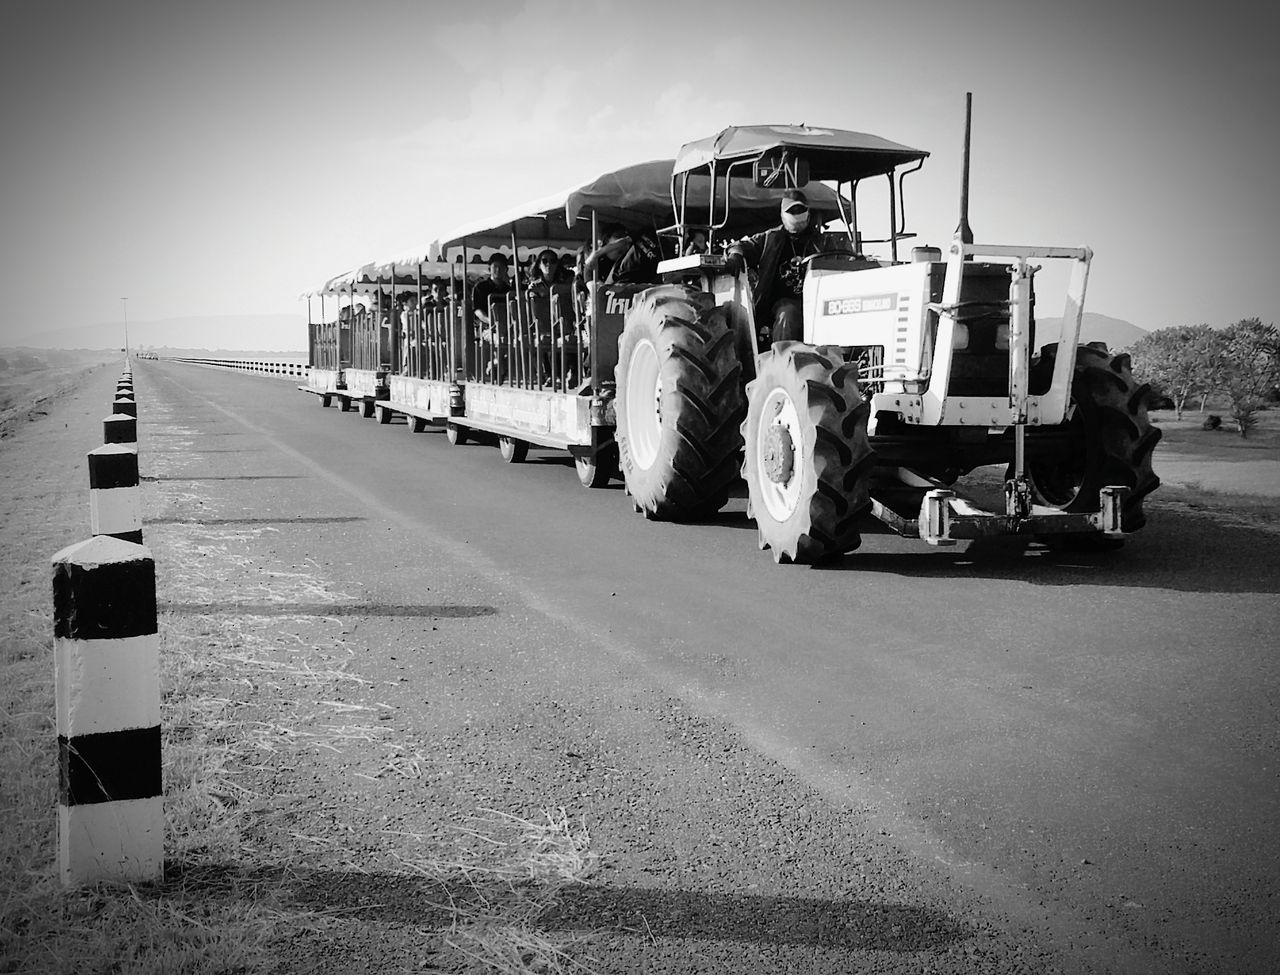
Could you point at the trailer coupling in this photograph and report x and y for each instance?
(946, 518)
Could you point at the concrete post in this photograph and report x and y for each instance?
(126, 406)
(107, 688)
(115, 507)
(120, 428)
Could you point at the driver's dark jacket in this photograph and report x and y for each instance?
(768, 252)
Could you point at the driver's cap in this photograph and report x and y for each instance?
(794, 201)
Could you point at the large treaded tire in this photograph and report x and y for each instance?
(679, 404)
(1112, 439)
(807, 458)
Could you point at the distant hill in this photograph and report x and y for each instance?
(1117, 333)
(261, 333)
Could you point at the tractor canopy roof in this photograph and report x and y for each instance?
(832, 154)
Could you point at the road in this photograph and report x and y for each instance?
(1088, 741)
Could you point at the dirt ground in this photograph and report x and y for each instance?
(31, 379)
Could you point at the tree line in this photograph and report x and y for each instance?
(1241, 362)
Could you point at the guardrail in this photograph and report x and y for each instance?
(263, 367)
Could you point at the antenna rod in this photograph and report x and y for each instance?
(963, 231)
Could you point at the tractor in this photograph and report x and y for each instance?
(910, 374)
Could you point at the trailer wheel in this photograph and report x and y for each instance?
(679, 404)
(596, 471)
(808, 460)
(414, 424)
(1111, 442)
(367, 408)
(513, 450)
(383, 414)
(324, 400)
(455, 434)
(344, 403)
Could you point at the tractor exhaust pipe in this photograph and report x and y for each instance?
(963, 231)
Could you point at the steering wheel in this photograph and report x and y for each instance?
(812, 257)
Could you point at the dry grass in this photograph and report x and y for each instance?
(1186, 435)
(515, 871)
(32, 378)
(240, 700)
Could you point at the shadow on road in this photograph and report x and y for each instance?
(760, 919)
(435, 612)
(1177, 551)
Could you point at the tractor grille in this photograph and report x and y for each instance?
(981, 366)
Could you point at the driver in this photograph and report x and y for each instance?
(778, 254)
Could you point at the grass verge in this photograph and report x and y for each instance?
(229, 903)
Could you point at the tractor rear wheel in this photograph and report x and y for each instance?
(1111, 441)
(808, 460)
(679, 404)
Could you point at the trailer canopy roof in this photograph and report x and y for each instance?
(636, 196)
(833, 154)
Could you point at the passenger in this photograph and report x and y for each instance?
(408, 336)
(546, 273)
(695, 242)
(497, 284)
(779, 256)
(625, 257)
(386, 330)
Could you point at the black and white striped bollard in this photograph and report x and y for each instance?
(107, 679)
(115, 507)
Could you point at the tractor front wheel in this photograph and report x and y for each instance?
(1111, 440)
(808, 460)
(679, 404)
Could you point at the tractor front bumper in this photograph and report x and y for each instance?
(945, 519)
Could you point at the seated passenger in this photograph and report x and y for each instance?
(778, 254)
(546, 273)
(408, 336)
(497, 284)
(625, 257)
(695, 242)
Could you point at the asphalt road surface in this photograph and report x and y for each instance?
(1090, 740)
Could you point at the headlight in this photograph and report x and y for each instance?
(1002, 337)
(960, 337)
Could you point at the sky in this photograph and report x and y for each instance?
(222, 158)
